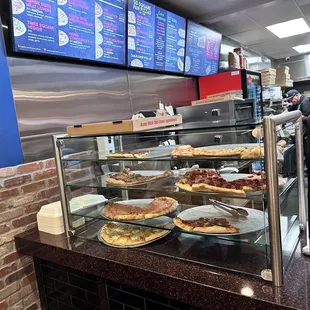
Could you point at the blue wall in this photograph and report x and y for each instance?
(10, 146)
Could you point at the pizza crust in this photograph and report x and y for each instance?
(252, 153)
(158, 207)
(217, 152)
(207, 229)
(182, 151)
(128, 235)
(185, 187)
(128, 155)
(202, 187)
(242, 152)
(113, 181)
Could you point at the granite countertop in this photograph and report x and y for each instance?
(183, 281)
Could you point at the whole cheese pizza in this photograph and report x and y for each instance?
(127, 178)
(204, 180)
(118, 234)
(128, 155)
(122, 212)
(206, 225)
(188, 151)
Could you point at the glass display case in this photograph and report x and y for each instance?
(221, 204)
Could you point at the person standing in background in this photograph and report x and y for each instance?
(302, 103)
(299, 102)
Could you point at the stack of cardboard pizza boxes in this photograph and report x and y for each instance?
(268, 76)
(283, 77)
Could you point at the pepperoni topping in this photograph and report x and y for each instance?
(206, 222)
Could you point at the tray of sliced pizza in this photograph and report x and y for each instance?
(205, 180)
(122, 235)
(130, 178)
(213, 221)
(237, 151)
(139, 209)
(151, 152)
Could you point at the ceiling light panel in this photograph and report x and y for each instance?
(305, 48)
(289, 28)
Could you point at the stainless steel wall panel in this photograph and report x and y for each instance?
(147, 89)
(49, 96)
(299, 67)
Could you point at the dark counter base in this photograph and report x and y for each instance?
(140, 273)
(65, 288)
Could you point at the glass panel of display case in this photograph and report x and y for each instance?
(194, 226)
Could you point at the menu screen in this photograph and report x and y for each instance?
(156, 37)
(202, 50)
(84, 29)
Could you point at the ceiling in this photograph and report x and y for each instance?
(244, 21)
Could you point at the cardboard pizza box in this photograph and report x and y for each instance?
(141, 124)
(219, 97)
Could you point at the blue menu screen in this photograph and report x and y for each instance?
(156, 37)
(202, 50)
(84, 29)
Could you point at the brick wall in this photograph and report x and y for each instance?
(23, 190)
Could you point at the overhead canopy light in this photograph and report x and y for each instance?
(290, 28)
(302, 48)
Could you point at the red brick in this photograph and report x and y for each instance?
(54, 198)
(3, 305)
(4, 228)
(12, 214)
(10, 290)
(7, 172)
(19, 274)
(52, 181)
(33, 187)
(32, 226)
(30, 167)
(47, 193)
(4, 194)
(11, 258)
(24, 199)
(7, 248)
(32, 307)
(35, 207)
(1, 285)
(9, 236)
(29, 279)
(7, 270)
(50, 163)
(45, 174)
(23, 221)
(2, 207)
(17, 181)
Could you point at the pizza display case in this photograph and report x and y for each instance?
(135, 191)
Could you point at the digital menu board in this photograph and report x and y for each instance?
(202, 50)
(83, 29)
(156, 37)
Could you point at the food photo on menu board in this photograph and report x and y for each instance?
(156, 37)
(202, 50)
(83, 29)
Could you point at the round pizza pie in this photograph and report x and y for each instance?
(206, 225)
(122, 212)
(128, 177)
(204, 180)
(122, 235)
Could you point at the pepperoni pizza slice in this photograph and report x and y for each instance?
(202, 180)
